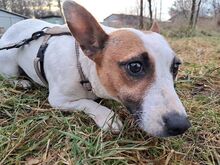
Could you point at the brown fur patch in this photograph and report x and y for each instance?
(122, 45)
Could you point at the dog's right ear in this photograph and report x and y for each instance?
(155, 27)
(84, 28)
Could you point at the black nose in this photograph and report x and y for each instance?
(176, 124)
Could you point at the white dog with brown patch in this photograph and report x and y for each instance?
(126, 65)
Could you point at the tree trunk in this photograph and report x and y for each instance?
(214, 7)
(197, 12)
(191, 21)
(59, 5)
(160, 9)
(141, 23)
(4, 4)
(150, 12)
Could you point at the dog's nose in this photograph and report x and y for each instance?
(176, 124)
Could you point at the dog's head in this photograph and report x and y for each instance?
(134, 67)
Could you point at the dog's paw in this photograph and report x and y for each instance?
(23, 84)
(109, 122)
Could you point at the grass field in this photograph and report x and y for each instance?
(31, 132)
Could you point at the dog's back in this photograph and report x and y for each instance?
(22, 30)
(22, 57)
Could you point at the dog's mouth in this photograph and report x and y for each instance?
(134, 108)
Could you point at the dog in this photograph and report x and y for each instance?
(134, 68)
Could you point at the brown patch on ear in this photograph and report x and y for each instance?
(155, 27)
(84, 28)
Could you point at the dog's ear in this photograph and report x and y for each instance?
(155, 27)
(84, 28)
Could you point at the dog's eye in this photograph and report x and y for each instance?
(135, 67)
(175, 69)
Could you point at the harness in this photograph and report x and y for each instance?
(39, 60)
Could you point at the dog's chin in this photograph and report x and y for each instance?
(160, 134)
(133, 111)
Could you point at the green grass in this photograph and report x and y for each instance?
(32, 132)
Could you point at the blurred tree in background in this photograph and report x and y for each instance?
(193, 9)
(32, 8)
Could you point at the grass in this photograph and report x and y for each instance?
(31, 132)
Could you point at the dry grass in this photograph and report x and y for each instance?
(33, 133)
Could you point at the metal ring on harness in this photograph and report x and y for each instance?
(36, 67)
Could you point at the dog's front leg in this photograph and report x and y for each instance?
(24, 84)
(105, 118)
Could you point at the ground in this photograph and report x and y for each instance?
(31, 132)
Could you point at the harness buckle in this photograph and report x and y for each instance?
(86, 84)
(37, 35)
(38, 71)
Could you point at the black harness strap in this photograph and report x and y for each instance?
(41, 51)
(40, 56)
(34, 36)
